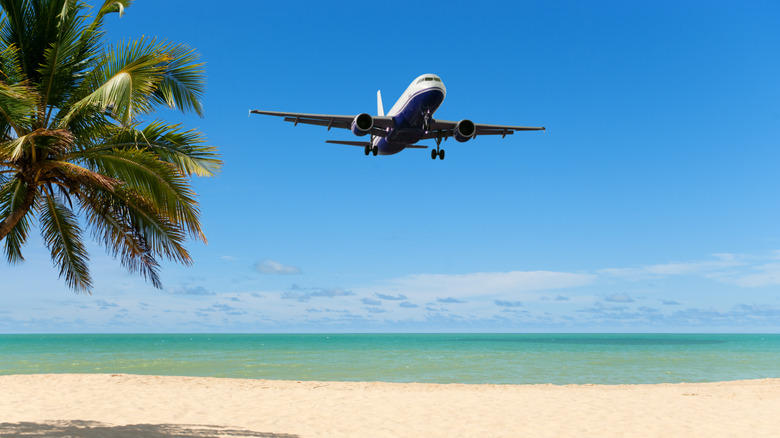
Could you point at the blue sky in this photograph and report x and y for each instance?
(652, 202)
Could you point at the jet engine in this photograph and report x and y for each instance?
(464, 130)
(362, 124)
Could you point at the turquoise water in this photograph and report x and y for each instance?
(436, 358)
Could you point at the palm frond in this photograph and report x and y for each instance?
(13, 149)
(13, 26)
(60, 64)
(15, 240)
(18, 104)
(62, 235)
(183, 83)
(112, 225)
(55, 141)
(163, 236)
(157, 234)
(151, 178)
(12, 195)
(118, 6)
(10, 65)
(124, 81)
(91, 37)
(109, 7)
(74, 177)
(185, 149)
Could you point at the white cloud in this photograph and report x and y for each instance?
(273, 267)
(191, 290)
(449, 300)
(398, 297)
(305, 294)
(105, 305)
(432, 286)
(744, 270)
(758, 276)
(619, 298)
(504, 303)
(668, 270)
(371, 302)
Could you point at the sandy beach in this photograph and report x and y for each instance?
(120, 405)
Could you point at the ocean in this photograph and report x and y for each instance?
(432, 358)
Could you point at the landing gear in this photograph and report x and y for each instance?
(426, 121)
(371, 148)
(438, 152)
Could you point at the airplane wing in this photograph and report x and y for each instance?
(331, 120)
(444, 129)
(366, 143)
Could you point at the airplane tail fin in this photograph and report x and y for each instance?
(380, 110)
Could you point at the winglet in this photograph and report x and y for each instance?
(380, 110)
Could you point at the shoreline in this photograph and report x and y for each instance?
(116, 405)
(383, 382)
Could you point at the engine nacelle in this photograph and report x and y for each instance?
(464, 130)
(362, 124)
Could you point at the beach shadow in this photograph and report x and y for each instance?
(94, 429)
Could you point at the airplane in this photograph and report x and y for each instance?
(408, 121)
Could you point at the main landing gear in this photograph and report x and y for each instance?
(438, 152)
(371, 148)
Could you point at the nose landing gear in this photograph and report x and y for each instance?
(426, 121)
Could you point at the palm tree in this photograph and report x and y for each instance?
(76, 149)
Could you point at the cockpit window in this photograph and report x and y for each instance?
(437, 79)
(428, 79)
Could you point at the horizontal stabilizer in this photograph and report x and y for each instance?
(350, 143)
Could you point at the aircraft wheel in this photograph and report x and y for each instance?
(375, 149)
(433, 154)
(368, 150)
(441, 154)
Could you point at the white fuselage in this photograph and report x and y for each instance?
(410, 113)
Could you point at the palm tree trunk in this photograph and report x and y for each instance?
(7, 224)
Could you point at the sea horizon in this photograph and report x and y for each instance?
(470, 358)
